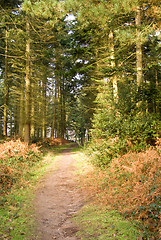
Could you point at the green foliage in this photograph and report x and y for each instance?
(103, 223)
(76, 120)
(100, 152)
(121, 125)
(114, 136)
(16, 220)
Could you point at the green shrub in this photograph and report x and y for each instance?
(116, 136)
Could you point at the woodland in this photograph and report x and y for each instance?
(68, 67)
(88, 72)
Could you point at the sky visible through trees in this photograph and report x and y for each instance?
(80, 70)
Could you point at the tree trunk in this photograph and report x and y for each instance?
(157, 87)
(27, 94)
(113, 65)
(58, 113)
(44, 108)
(139, 67)
(63, 115)
(53, 133)
(21, 107)
(40, 111)
(11, 124)
(5, 87)
(32, 125)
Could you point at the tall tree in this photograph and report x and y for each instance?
(113, 65)
(5, 86)
(109, 49)
(28, 83)
(139, 64)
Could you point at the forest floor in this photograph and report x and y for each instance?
(62, 197)
(58, 198)
(65, 210)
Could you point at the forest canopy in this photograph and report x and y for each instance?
(80, 70)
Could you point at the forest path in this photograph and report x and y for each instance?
(58, 198)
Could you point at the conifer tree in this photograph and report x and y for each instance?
(122, 70)
(28, 83)
(6, 8)
(48, 63)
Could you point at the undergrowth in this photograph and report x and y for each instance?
(16, 216)
(97, 220)
(20, 167)
(131, 184)
(16, 162)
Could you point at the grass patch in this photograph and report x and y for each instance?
(76, 149)
(16, 219)
(97, 223)
(57, 149)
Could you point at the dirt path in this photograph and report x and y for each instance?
(57, 199)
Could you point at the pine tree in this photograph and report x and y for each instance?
(28, 83)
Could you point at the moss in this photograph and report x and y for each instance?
(101, 223)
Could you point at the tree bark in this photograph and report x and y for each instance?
(5, 87)
(113, 65)
(53, 133)
(27, 94)
(58, 113)
(21, 107)
(157, 87)
(139, 67)
(44, 108)
(63, 112)
(32, 124)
